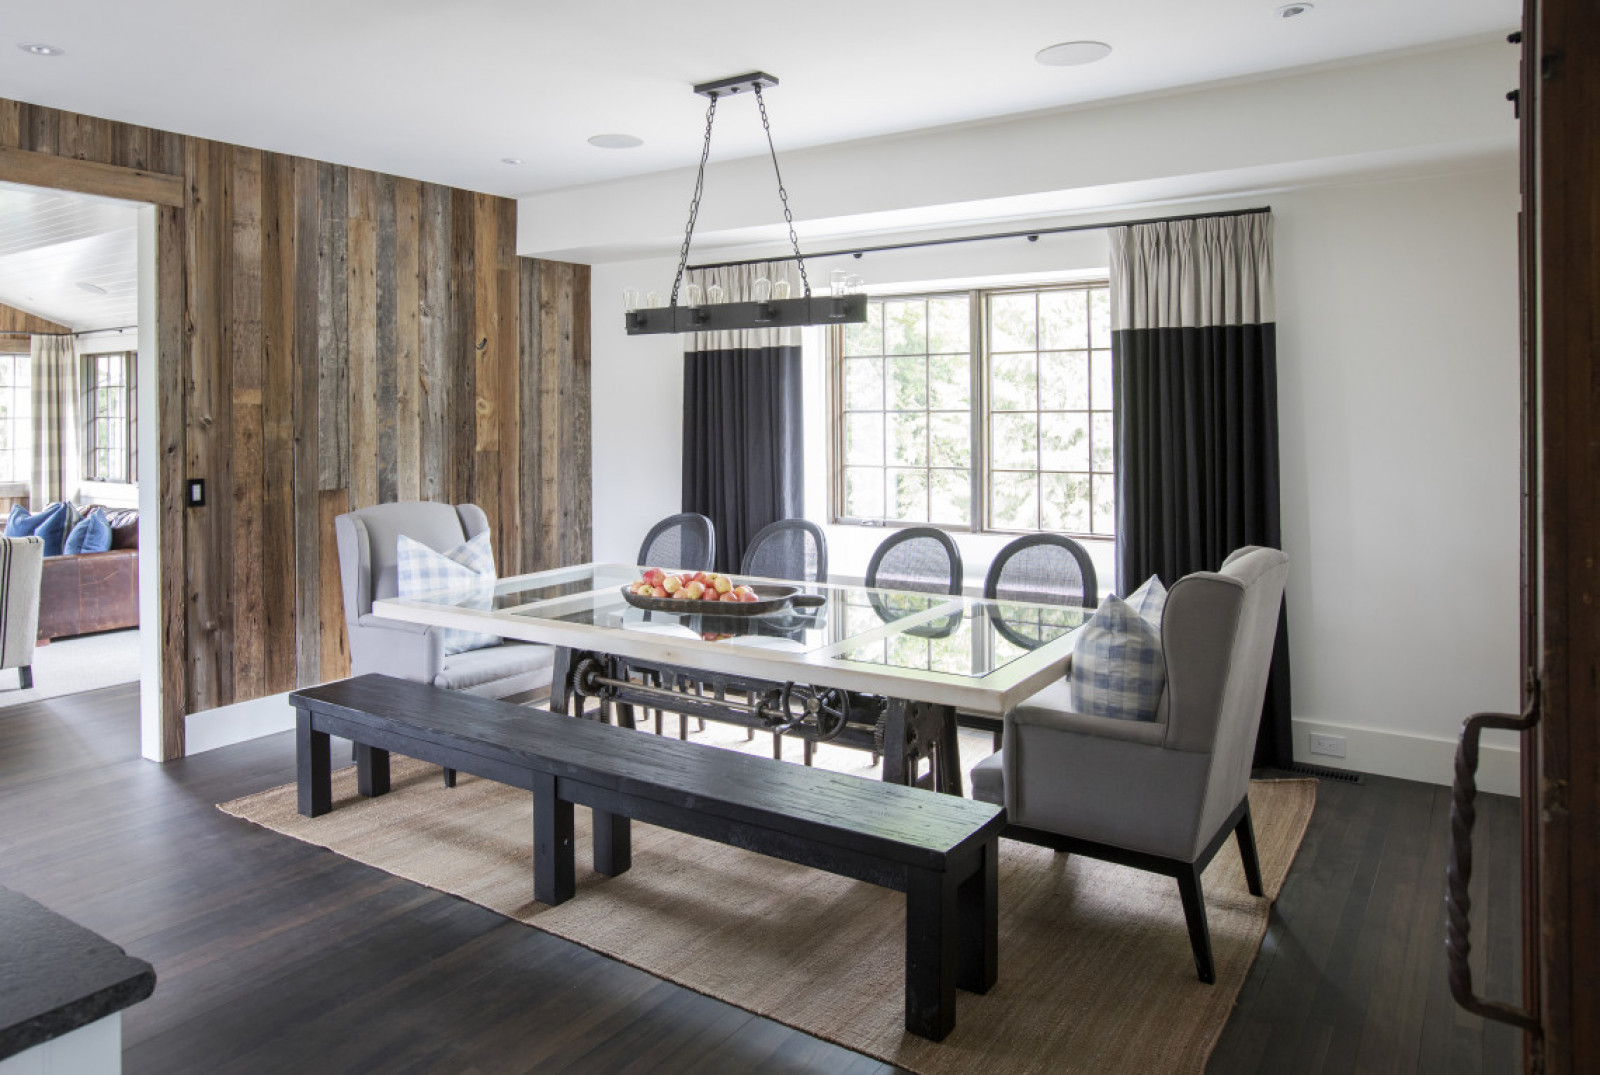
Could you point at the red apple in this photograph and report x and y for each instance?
(659, 592)
(654, 575)
(745, 593)
(672, 584)
(723, 583)
(692, 590)
(709, 594)
(730, 596)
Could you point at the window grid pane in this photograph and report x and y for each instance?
(108, 417)
(905, 414)
(904, 411)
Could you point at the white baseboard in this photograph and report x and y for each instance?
(229, 724)
(1409, 756)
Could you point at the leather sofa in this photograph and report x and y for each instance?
(95, 591)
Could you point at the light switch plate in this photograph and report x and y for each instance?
(1329, 745)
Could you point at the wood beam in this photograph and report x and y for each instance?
(15, 322)
(89, 177)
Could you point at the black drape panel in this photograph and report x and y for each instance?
(742, 453)
(1197, 469)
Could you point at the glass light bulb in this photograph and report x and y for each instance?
(653, 300)
(760, 289)
(715, 294)
(630, 298)
(691, 295)
(780, 289)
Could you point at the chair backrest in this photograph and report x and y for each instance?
(920, 558)
(683, 542)
(1044, 569)
(794, 549)
(1217, 635)
(368, 563)
(21, 571)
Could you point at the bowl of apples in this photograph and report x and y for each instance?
(708, 593)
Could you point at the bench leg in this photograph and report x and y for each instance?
(372, 771)
(613, 843)
(978, 912)
(554, 870)
(313, 767)
(947, 755)
(931, 954)
(449, 778)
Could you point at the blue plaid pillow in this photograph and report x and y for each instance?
(463, 576)
(1117, 667)
(1149, 601)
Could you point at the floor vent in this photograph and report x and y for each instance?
(1344, 776)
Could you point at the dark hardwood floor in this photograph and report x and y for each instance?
(276, 956)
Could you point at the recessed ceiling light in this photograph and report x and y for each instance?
(40, 49)
(93, 289)
(1073, 53)
(511, 160)
(616, 141)
(1289, 11)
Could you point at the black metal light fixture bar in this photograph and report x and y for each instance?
(730, 316)
(808, 309)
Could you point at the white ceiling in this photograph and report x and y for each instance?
(442, 90)
(51, 241)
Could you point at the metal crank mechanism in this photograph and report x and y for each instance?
(820, 714)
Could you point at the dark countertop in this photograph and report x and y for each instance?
(56, 976)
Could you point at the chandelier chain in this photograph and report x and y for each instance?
(783, 195)
(694, 203)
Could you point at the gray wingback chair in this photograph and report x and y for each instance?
(1161, 795)
(369, 571)
(21, 568)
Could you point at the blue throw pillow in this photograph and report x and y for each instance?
(1117, 667)
(463, 576)
(49, 525)
(92, 534)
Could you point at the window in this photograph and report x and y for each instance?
(1034, 453)
(108, 415)
(16, 417)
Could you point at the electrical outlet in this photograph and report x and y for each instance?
(1329, 745)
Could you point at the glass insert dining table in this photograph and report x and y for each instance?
(873, 669)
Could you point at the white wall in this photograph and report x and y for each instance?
(1398, 404)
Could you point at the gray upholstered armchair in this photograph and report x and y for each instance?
(21, 568)
(1161, 795)
(367, 567)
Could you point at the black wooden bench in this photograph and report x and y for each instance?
(939, 850)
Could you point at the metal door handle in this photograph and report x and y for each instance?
(1458, 876)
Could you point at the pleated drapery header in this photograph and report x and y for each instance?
(736, 282)
(1199, 272)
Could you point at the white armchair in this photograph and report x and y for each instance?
(21, 568)
(1161, 795)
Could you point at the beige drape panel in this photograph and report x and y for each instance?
(1200, 273)
(737, 280)
(57, 463)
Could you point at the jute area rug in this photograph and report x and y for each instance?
(1095, 968)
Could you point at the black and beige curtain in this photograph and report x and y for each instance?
(1194, 354)
(56, 457)
(741, 415)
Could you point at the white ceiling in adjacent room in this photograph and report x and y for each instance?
(69, 258)
(449, 91)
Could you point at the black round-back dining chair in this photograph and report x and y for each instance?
(794, 549)
(920, 558)
(1043, 569)
(683, 542)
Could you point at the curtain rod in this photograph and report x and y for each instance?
(1031, 234)
(75, 335)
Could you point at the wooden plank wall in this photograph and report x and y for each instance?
(15, 322)
(334, 338)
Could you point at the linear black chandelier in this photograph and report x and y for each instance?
(775, 309)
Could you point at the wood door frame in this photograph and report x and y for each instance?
(165, 195)
(1562, 54)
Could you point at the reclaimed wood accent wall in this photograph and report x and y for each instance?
(334, 338)
(15, 322)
